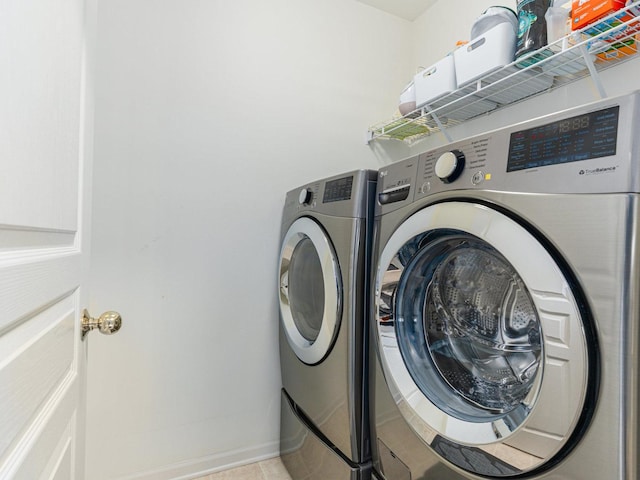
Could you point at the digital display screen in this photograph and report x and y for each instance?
(337, 190)
(592, 135)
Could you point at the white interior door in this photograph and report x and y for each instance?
(45, 145)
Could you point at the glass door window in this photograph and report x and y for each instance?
(310, 290)
(466, 322)
(306, 289)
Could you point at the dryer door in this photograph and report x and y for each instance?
(310, 290)
(481, 339)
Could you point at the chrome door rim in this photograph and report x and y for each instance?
(311, 352)
(553, 299)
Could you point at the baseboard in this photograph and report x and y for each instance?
(200, 467)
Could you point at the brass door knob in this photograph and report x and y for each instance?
(108, 323)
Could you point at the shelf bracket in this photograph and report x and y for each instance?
(595, 76)
(369, 136)
(439, 124)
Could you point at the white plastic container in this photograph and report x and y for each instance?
(491, 17)
(558, 23)
(407, 103)
(434, 82)
(491, 51)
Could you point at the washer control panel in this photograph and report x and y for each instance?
(593, 148)
(453, 166)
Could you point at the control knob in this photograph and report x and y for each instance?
(449, 165)
(305, 196)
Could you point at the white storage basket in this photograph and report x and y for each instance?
(482, 55)
(435, 82)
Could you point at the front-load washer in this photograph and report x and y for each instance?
(505, 317)
(324, 269)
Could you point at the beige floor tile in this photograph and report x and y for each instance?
(274, 469)
(271, 469)
(247, 472)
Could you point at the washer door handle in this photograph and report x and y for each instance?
(284, 285)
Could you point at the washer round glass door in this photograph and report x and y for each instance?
(310, 291)
(481, 339)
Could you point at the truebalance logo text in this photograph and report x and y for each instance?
(598, 171)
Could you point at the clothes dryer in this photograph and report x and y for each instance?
(323, 287)
(505, 307)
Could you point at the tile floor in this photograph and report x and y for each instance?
(271, 469)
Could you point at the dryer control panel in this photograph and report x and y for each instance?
(347, 195)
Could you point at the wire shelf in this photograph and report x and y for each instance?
(582, 53)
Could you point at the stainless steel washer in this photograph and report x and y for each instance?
(323, 286)
(506, 316)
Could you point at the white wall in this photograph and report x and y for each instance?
(207, 112)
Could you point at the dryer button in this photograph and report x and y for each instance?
(477, 178)
(450, 165)
(305, 196)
